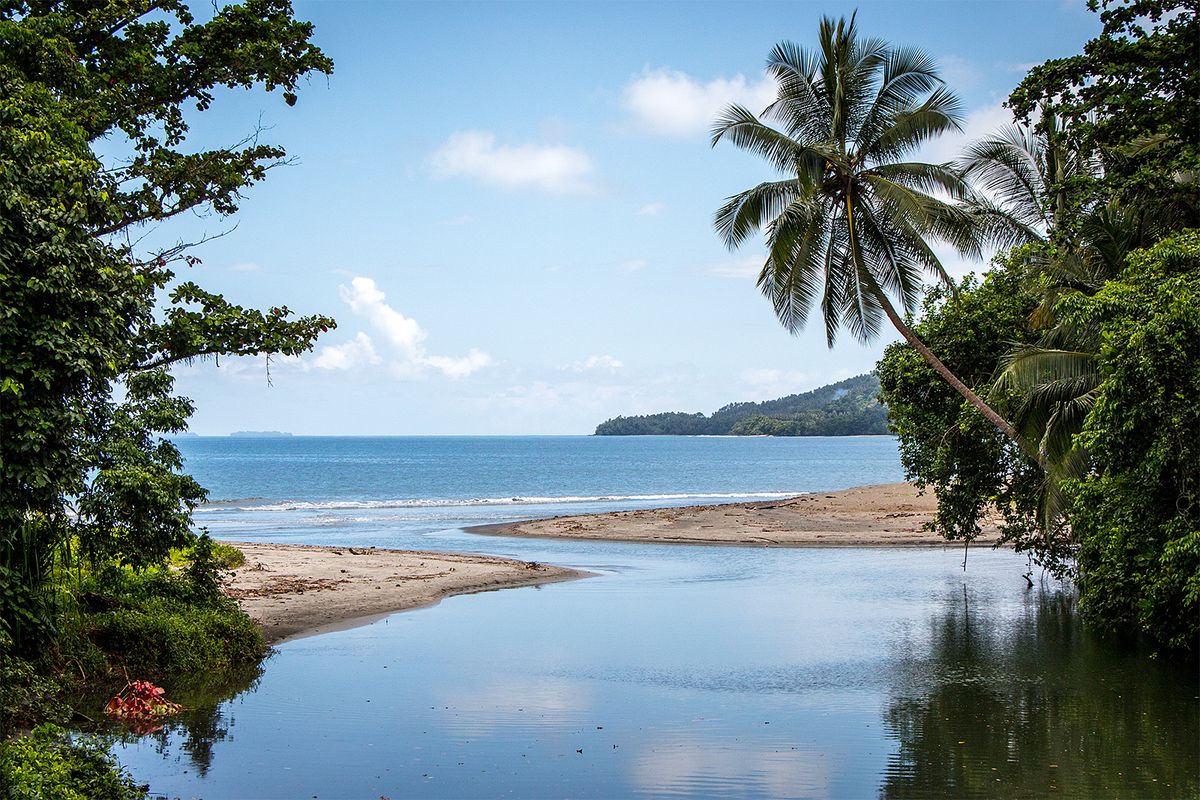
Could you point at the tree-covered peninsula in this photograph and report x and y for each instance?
(845, 408)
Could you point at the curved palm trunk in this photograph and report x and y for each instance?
(988, 412)
(881, 297)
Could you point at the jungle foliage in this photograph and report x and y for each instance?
(1086, 338)
(89, 324)
(95, 99)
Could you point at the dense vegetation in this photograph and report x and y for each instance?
(1086, 336)
(1061, 388)
(846, 408)
(93, 503)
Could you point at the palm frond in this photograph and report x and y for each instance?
(792, 275)
(752, 210)
(907, 74)
(1009, 166)
(748, 132)
(910, 128)
(1029, 367)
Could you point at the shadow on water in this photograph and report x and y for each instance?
(1037, 705)
(188, 739)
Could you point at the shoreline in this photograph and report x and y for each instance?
(294, 591)
(881, 515)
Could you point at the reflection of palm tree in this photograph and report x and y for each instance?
(1021, 707)
(852, 222)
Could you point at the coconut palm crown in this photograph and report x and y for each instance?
(851, 223)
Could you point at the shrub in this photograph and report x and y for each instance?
(49, 764)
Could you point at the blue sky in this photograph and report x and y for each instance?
(508, 209)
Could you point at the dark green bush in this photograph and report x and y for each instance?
(49, 764)
(158, 623)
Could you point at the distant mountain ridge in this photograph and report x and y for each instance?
(845, 408)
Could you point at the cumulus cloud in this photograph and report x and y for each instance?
(403, 335)
(357, 352)
(604, 362)
(475, 154)
(459, 367)
(979, 123)
(671, 103)
(366, 300)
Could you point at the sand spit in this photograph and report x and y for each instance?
(887, 515)
(301, 590)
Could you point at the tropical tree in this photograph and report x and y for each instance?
(95, 101)
(853, 221)
(1029, 180)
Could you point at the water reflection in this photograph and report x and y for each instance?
(1035, 704)
(820, 673)
(189, 739)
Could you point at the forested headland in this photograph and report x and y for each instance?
(846, 408)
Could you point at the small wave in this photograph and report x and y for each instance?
(249, 504)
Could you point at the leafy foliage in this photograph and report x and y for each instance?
(88, 326)
(1137, 514)
(1133, 98)
(50, 764)
(159, 624)
(844, 408)
(945, 444)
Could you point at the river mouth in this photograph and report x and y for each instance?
(707, 672)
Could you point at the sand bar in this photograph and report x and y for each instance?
(887, 515)
(294, 590)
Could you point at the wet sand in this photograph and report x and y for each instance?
(302, 590)
(886, 515)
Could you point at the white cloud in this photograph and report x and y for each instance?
(475, 154)
(460, 367)
(365, 299)
(605, 362)
(246, 266)
(651, 209)
(671, 103)
(350, 355)
(632, 265)
(403, 334)
(978, 123)
(740, 268)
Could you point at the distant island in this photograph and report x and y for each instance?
(260, 434)
(847, 408)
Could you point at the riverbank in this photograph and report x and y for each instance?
(301, 590)
(884, 515)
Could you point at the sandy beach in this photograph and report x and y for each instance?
(294, 590)
(886, 515)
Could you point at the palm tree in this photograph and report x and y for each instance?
(1024, 177)
(852, 221)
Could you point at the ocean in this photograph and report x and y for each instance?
(373, 488)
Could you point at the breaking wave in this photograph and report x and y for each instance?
(263, 504)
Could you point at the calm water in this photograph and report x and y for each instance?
(678, 671)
